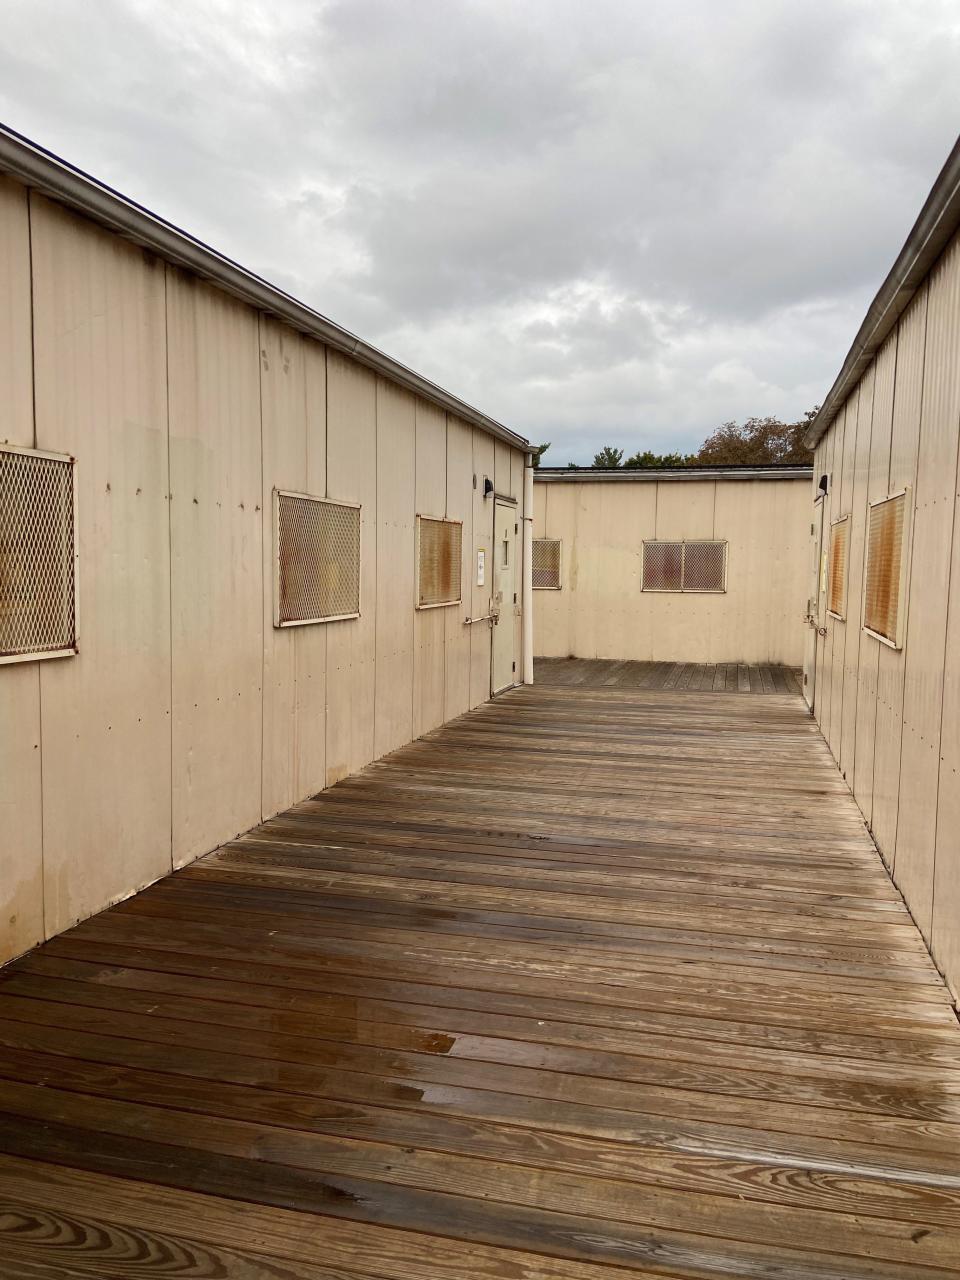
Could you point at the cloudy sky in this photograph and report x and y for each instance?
(601, 222)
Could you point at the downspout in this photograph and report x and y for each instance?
(527, 619)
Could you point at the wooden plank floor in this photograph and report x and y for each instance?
(592, 983)
(693, 677)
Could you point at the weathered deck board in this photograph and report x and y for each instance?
(600, 980)
(691, 676)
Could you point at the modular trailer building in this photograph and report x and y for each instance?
(243, 553)
(883, 659)
(685, 564)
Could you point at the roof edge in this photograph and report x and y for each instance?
(938, 221)
(559, 475)
(47, 173)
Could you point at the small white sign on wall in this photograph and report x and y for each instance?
(481, 566)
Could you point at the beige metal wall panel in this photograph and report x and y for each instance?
(625, 521)
(760, 618)
(845, 434)
(396, 566)
(484, 464)
(859, 464)
(553, 508)
(517, 461)
(216, 538)
(601, 611)
(429, 625)
(927, 608)
(294, 658)
(351, 645)
(904, 449)
(459, 640)
(867, 675)
(586, 566)
(310, 645)
(685, 509)
(100, 379)
(21, 820)
(16, 341)
(945, 928)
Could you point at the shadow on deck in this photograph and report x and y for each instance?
(593, 982)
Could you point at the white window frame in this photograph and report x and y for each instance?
(440, 604)
(559, 542)
(70, 651)
(906, 547)
(330, 502)
(683, 590)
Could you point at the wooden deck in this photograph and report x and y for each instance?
(593, 983)
(691, 677)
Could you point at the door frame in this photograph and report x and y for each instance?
(503, 500)
(814, 618)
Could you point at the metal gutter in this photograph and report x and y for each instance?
(588, 475)
(938, 221)
(46, 173)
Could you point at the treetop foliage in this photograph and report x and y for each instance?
(755, 442)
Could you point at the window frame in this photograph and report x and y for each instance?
(682, 589)
(839, 617)
(906, 546)
(330, 502)
(68, 651)
(438, 604)
(559, 586)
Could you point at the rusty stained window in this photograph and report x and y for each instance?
(837, 567)
(38, 589)
(318, 560)
(546, 564)
(886, 565)
(439, 562)
(696, 566)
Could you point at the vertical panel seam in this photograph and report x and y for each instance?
(946, 636)
(39, 666)
(166, 361)
(263, 583)
(913, 522)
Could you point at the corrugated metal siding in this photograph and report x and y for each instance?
(187, 715)
(604, 526)
(907, 741)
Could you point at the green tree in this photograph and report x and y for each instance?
(538, 451)
(649, 461)
(608, 459)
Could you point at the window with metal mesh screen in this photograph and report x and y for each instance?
(685, 566)
(662, 566)
(886, 566)
(439, 556)
(704, 566)
(318, 560)
(38, 610)
(546, 564)
(837, 568)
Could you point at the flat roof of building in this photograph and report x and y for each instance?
(931, 233)
(41, 170)
(758, 471)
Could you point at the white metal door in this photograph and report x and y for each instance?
(504, 595)
(816, 604)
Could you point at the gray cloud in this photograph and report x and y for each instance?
(613, 222)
